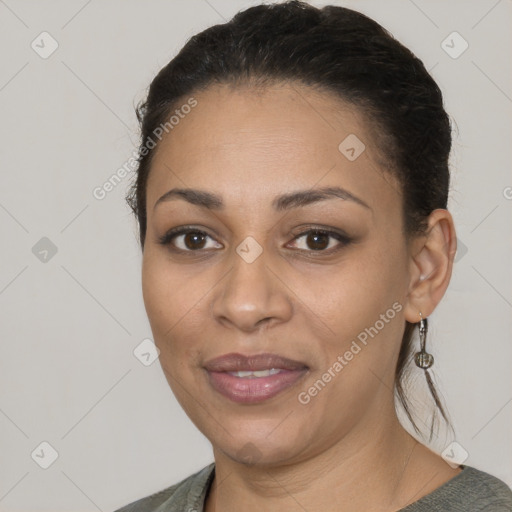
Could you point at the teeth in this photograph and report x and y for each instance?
(256, 374)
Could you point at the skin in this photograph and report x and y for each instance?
(345, 449)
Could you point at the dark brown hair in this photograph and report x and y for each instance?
(339, 51)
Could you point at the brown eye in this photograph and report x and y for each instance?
(317, 240)
(194, 240)
(187, 240)
(320, 240)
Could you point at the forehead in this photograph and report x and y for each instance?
(282, 117)
(248, 143)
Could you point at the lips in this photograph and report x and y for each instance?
(241, 363)
(253, 379)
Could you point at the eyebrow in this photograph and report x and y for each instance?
(283, 202)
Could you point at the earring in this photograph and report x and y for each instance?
(423, 359)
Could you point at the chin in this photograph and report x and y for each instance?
(253, 453)
(258, 448)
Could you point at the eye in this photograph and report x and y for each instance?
(190, 239)
(186, 239)
(322, 240)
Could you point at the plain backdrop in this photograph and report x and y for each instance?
(70, 299)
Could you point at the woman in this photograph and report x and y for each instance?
(291, 197)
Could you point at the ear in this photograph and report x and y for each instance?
(431, 263)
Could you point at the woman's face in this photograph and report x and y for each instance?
(253, 277)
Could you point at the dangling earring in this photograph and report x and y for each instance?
(423, 359)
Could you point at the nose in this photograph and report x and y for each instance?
(252, 295)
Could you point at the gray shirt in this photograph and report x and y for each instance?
(470, 490)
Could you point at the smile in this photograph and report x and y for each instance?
(256, 374)
(253, 379)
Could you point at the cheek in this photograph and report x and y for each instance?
(359, 289)
(166, 294)
(163, 298)
(174, 303)
(361, 302)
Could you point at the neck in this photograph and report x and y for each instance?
(366, 470)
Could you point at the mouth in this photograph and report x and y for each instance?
(253, 379)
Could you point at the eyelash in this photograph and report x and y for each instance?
(167, 238)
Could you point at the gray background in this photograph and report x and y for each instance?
(70, 321)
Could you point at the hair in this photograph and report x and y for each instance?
(337, 51)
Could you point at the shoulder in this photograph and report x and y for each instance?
(185, 495)
(471, 490)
